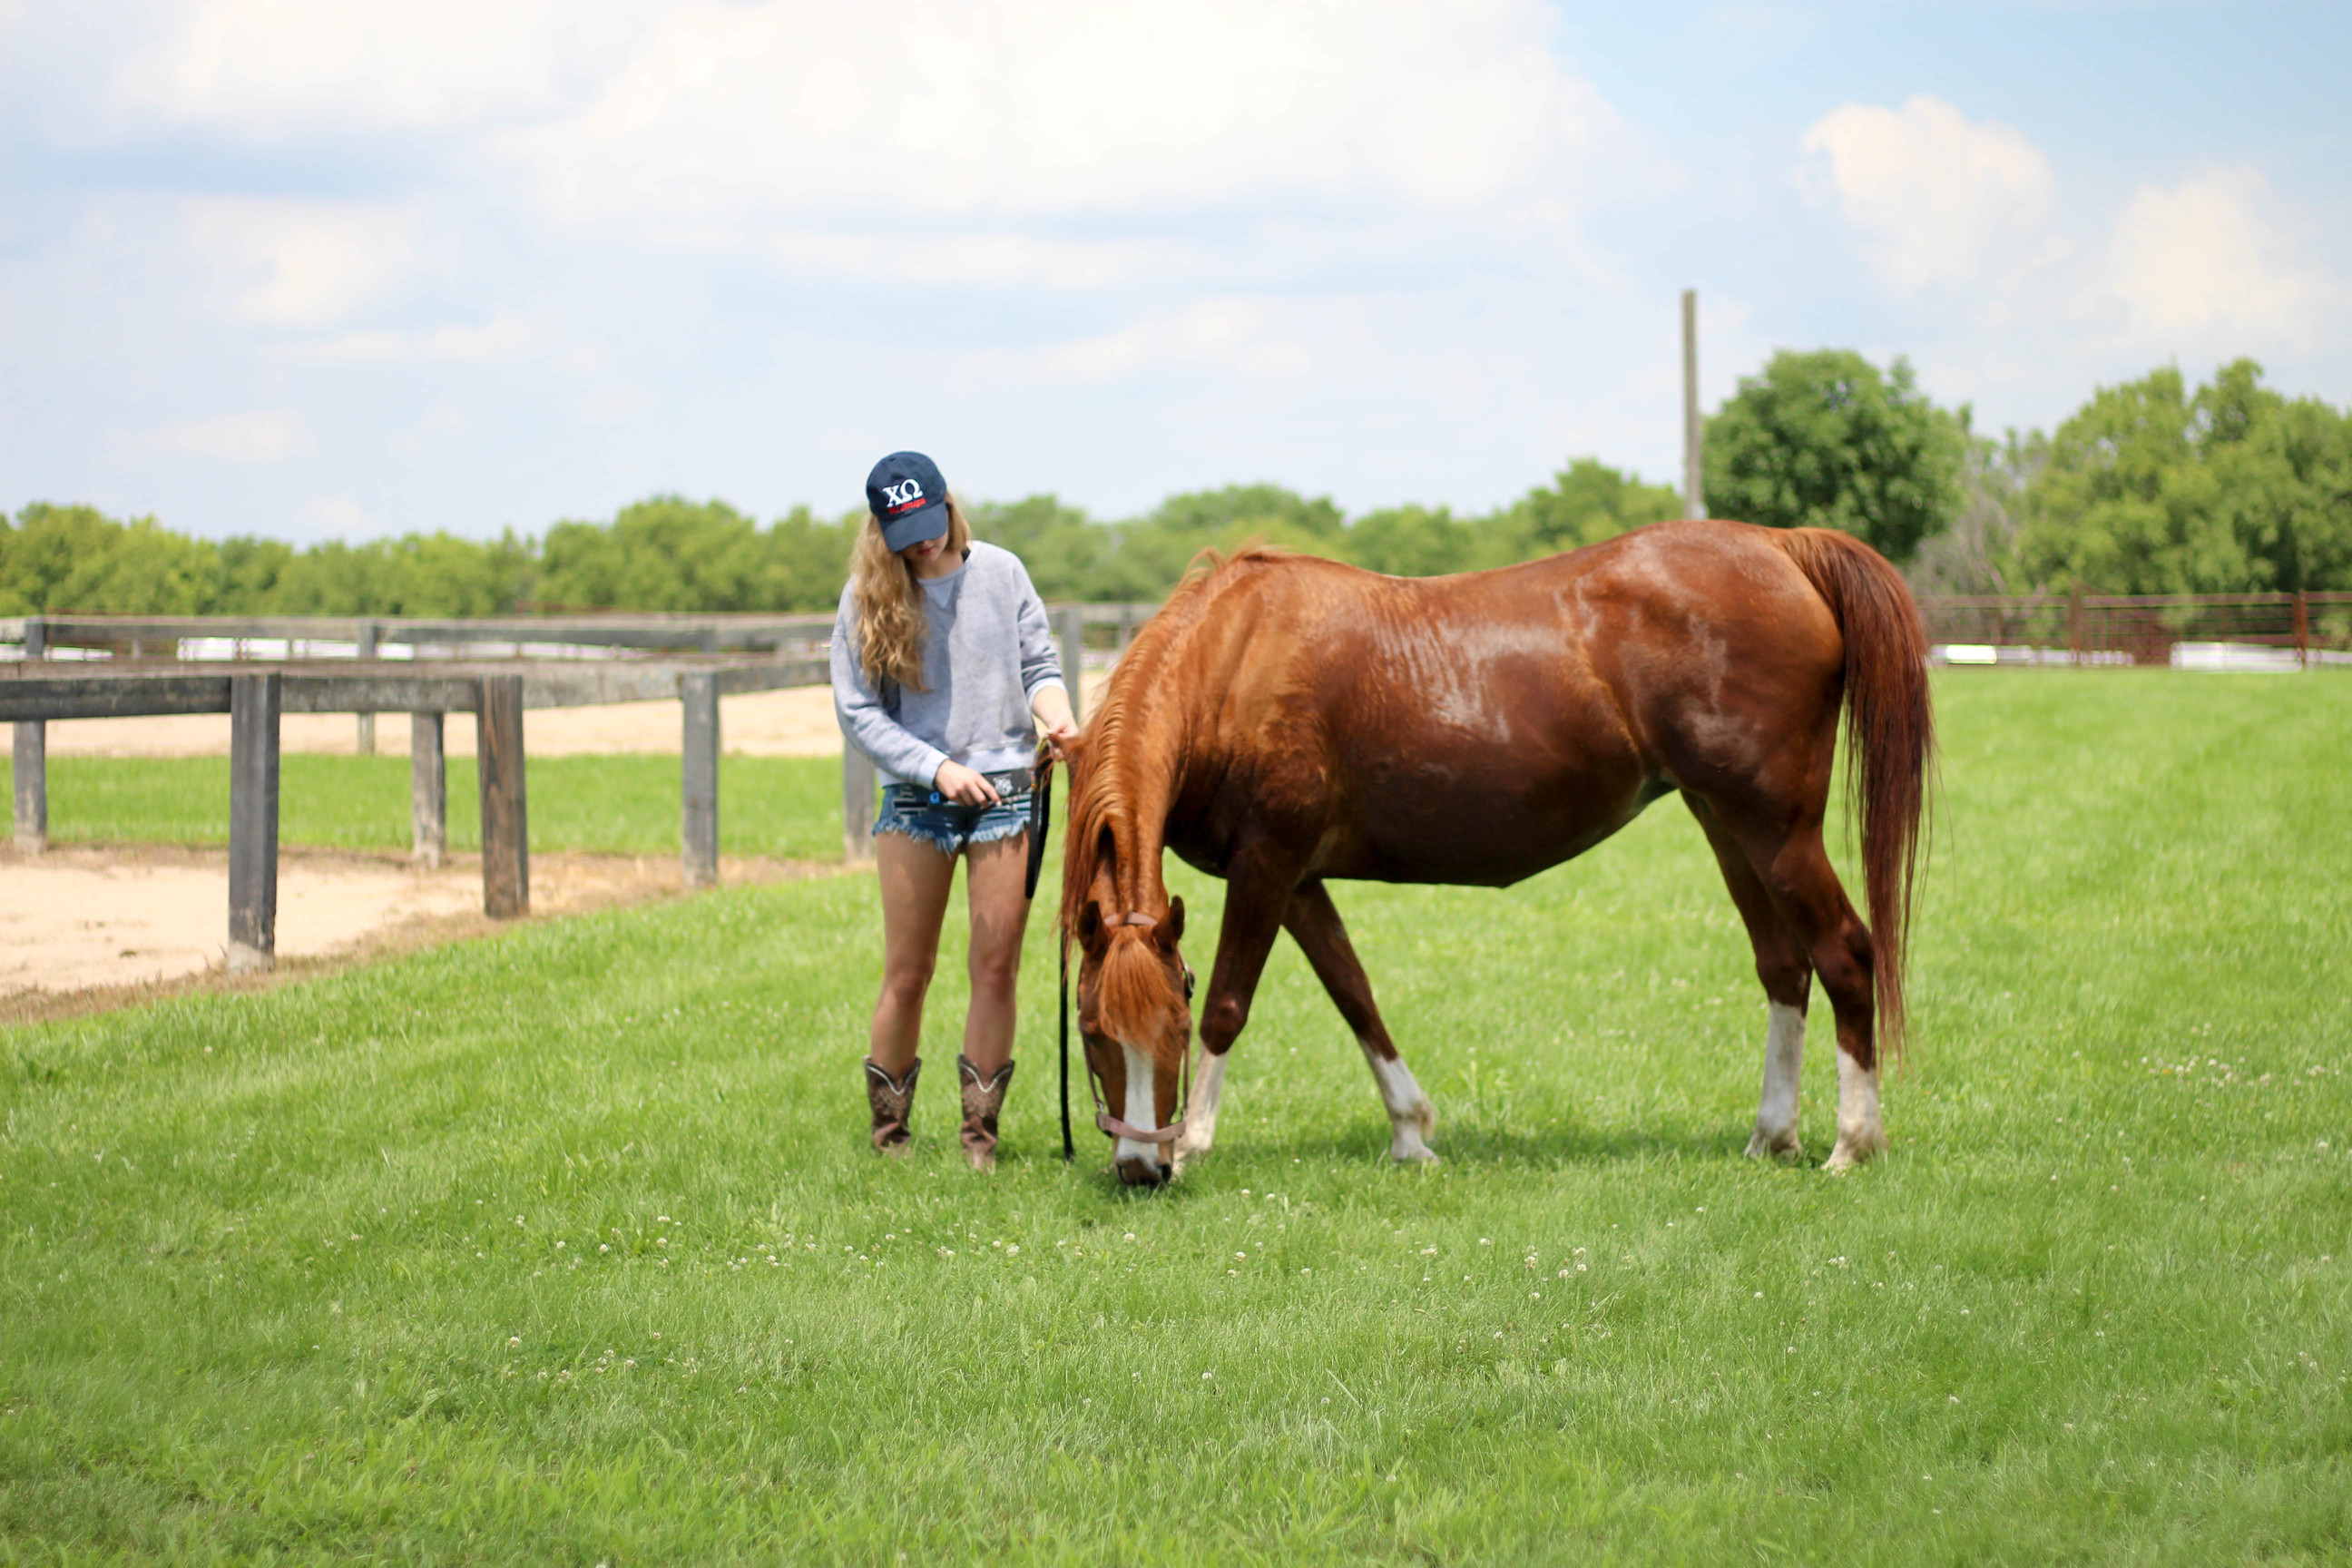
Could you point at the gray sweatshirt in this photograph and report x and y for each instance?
(990, 652)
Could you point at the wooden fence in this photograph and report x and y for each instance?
(2116, 629)
(694, 661)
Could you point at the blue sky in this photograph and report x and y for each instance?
(320, 271)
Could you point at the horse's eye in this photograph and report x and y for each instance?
(1188, 985)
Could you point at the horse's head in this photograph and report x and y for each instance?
(1135, 1010)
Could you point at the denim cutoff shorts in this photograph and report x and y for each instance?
(928, 816)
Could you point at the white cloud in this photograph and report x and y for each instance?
(909, 109)
(1237, 335)
(503, 338)
(1936, 191)
(340, 517)
(999, 259)
(267, 436)
(2210, 252)
(275, 69)
(293, 263)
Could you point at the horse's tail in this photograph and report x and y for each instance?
(1890, 736)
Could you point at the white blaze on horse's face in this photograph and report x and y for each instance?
(1140, 1110)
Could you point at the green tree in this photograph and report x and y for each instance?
(1152, 552)
(808, 559)
(251, 570)
(1068, 556)
(1411, 541)
(1825, 441)
(61, 558)
(2151, 489)
(1978, 554)
(662, 553)
(1586, 502)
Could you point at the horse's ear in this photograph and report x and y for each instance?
(1090, 926)
(1172, 930)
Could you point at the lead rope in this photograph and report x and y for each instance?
(1069, 1150)
(1041, 823)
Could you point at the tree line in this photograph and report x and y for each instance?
(2151, 486)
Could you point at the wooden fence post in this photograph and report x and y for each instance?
(2302, 630)
(32, 759)
(699, 749)
(255, 703)
(2074, 625)
(506, 833)
(428, 791)
(365, 738)
(1693, 470)
(856, 803)
(1070, 626)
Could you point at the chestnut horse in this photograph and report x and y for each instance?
(1284, 721)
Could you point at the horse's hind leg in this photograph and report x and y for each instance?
(1788, 977)
(1313, 921)
(1795, 868)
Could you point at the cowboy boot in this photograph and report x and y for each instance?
(983, 1098)
(891, 1102)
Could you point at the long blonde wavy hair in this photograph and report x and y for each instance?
(890, 626)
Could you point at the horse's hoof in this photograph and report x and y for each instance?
(1784, 1146)
(1407, 1148)
(1853, 1151)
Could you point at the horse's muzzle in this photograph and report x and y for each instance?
(1138, 1172)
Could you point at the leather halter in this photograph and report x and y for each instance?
(1104, 1119)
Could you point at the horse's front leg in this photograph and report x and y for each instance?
(1313, 921)
(1257, 889)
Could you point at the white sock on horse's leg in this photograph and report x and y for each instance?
(1784, 1060)
(1201, 1118)
(1411, 1114)
(1861, 1133)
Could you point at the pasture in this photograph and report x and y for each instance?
(565, 1245)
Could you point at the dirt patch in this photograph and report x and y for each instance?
(92, 926)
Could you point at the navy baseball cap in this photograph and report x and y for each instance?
(907, 496)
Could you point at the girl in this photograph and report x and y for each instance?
(941, 660)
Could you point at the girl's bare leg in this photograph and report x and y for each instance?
(915, 879)
(1000, 914)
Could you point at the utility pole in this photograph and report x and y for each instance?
(1694, 499)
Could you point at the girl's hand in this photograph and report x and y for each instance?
(963, 786)
(1058, 734)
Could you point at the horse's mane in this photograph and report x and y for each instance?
(1123, 768)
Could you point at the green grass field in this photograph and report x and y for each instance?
(563, 1245)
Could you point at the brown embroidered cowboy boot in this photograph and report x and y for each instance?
(891, 1102)
(983, 1098)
